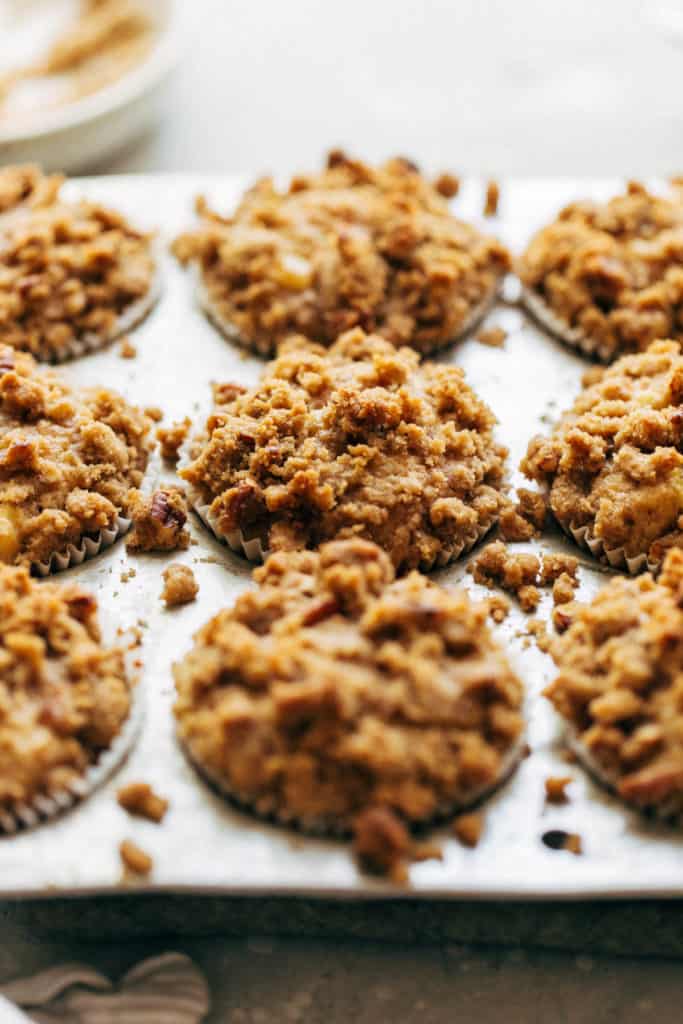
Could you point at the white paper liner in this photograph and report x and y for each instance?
(574, 336)
(232, 333)
(341, 828)
(87, 548)
(44, 806)
(669, 812)
(616, 558)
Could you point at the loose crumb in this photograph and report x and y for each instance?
(154, 413)
(159, 521)
(529, 598)
(139, 798)
(447, 185)
(499, 607)
(494, 337)
(468, 828)
(537, 628)
(558, 839)
(127, 349)
(556, 565)
(563, 589)
(382, 844)
(556, 789)
(134, 859)
(492, 199)
(515, 573)
(128, 574)
(526, 519)
(564, 615)
(172, 438)
(180, 585)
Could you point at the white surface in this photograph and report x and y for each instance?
(179, 353)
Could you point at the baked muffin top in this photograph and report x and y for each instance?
(353, 246)
(620, 685)
(64, 697)
(331, 687)
(612, 270)
(67, 459)
(614, 463)
(69, 272)
(356, 440)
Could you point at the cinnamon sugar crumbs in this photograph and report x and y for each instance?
(468, 828)
(180, 585)
(158, 521)
(138, 798)
(134, 859)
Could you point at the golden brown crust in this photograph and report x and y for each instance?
(614, 463)
(63, 696)
(353, 246)
(332, 688)
(358, 440)
(620, 683)
(612, 270)
(67, 460)
(68, 271)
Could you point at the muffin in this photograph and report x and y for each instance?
(65, 697)
(614, 463)
(358, 440)
(332, 688)
(353, 246)
(608, 277)
(68, 459)
(620, 686)
(73, 276)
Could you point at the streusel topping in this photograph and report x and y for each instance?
(356, 440)
(614, 270)
(620, 684)
(615, 461)
(67, 459)
(331, 688)
(63, 696)
(68, 271)
(353, 246)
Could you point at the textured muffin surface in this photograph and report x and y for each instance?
(356, 440)
(331, 687)
(353, 246)
(68, 459)
(615, 461)
(63, 696)
(620, 685)
(613, 270)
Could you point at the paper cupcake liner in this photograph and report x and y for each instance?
(670, 811)
(342, 828)
(87, 548)
(574, 336)
(46, 806)
(228, 329)
(616, 558)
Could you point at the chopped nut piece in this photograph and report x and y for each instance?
(447, 185)
(127, 349)
(494, 337)
(134, 859)
(468, 828)
(158, 521)
(492, 199)
(172, 438)
(139, 798)
(556, 788)
(180, 585)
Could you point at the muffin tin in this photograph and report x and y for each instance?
(204, 844)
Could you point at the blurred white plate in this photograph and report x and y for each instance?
(71, 137)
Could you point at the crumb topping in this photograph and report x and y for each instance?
(620, 680)
(67, 459)
(171, 439)
(353, 246)
(614, 463)
(424, 715)
(526, 519)
(357, 440)
(180, 585)
(138, 798)
(158, 521)
(68, 271)
(613, 270)
(63, 696)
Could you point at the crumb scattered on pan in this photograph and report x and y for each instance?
(537, 628)
(563, 589)
(558, 839)
(499, 607)
(139, 798)
(134, 859)
(518, 573)
(494, 337)
(556, 789)
(529, 598)
(492, 199)
(128, 574)
(382, 843)
(127, 349)
(447, 185)
(180, 585)
(564, 615)
(468, 828)
(158, 521)
(155, 413)
(556, 565)
(526, 519)
(172, 438)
